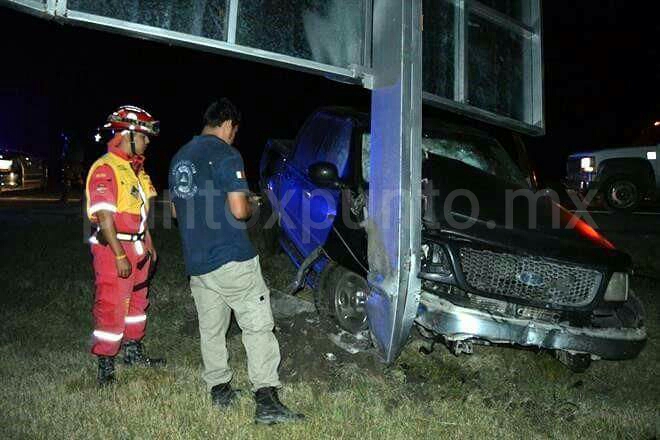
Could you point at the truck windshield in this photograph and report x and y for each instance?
(483, 153)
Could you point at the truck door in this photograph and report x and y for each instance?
(294, 182)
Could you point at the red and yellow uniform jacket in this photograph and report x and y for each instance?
(119, 184)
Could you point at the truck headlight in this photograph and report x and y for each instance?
(5, 165)
(587, 164)
(435, 265)
(617, 289)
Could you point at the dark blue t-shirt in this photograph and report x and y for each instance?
(201, 174)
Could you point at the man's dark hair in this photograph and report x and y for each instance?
(220, 111)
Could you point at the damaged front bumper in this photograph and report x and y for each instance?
(457, 323)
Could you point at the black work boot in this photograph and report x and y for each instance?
(134, 355)
(106, 373)
(223, 395)
(270, 410)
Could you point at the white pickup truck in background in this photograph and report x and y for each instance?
(623, 176)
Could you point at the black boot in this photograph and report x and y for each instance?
(270, 410)
(223, 395)
(134, 355)
(106, 373)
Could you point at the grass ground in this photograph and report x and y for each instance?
(48, 387)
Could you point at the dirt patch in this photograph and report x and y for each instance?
(308, 353)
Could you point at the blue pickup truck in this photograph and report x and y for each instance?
(488, 275)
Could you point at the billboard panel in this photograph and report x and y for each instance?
(496, 66)
(203, 18)
(439, 47)
(328, 32)
(307, 33)
(484, 59)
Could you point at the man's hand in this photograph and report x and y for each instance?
(150, 248)
(124, 268)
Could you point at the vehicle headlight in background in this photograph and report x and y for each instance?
(617, 289)
(5, 165)
(587, 164)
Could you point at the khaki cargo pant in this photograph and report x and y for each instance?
(237, 286)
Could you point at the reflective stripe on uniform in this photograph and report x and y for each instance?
(103, 206)
(107, 336)
(135, 319)
(143, 213)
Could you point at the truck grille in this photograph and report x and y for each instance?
(529, 278)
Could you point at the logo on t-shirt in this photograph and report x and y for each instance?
(183, 178)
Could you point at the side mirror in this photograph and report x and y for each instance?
(324, 174)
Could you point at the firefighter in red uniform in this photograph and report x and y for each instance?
(118, 192)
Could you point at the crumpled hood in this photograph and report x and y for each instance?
(530, 222)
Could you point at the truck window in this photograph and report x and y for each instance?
(309, 140)
(324, 139)
(336, 146)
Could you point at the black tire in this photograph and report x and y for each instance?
(622, 193)
(342, 295)
(576, 362)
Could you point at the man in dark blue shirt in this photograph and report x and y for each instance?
(210, 201)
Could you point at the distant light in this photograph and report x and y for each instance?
(657, 124)
(97, 137)
(651, 155)
(5, 165)
(586, 162)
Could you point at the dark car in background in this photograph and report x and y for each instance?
(500, 281)
(20, 170)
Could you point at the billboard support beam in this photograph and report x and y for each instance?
(396, 161)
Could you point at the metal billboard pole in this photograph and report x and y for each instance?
(395, 185)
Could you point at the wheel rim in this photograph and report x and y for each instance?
(622, 194)
(350, 301)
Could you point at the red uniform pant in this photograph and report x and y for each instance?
(120, 303)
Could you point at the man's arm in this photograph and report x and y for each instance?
(109, 232)
(239, 205)
(102, 199)
(234, 182)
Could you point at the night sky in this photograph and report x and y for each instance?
(602, 75)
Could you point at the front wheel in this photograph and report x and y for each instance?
(342, 294)
(621, 194)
